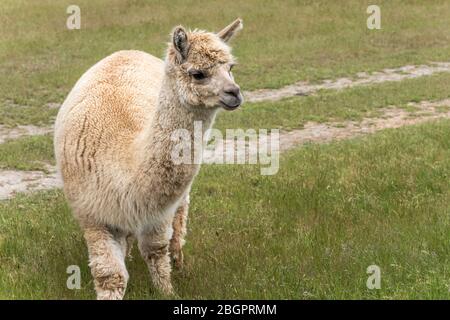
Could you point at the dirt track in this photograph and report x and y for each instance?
(12, 182)
(360, 79)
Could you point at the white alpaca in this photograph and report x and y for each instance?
(113, 147)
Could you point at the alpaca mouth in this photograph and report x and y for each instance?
(230, 107)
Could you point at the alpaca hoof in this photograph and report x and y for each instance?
(116, 294)
(111, 287)
(167, 290)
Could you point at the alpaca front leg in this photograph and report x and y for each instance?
(107, 249)
(154, 248)
(179, 232)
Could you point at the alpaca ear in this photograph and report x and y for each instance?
(230, 31)
(180, 43)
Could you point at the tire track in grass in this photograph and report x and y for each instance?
(360, 79)
(16, 181)
(392, 118)
(13, 182)
(7, 133)
(313, 132)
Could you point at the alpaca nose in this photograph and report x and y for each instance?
(231, 97)
(233, 90)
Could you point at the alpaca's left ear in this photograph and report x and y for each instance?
(181, 43)
(230, 31)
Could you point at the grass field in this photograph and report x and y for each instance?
(308, 232)
(27, 153)
(40, 59)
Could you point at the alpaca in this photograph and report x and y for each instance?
(113, 149)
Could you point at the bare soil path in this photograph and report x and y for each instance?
(15, 181)
(7, 133)
(360, 79)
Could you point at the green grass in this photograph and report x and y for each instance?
(12, 114)
(310, 231)
(282, 42)
(27, 153)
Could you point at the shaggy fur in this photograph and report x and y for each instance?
(113, 148)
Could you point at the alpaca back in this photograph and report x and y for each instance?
(97, 126)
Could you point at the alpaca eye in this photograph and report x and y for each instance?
(198, 75)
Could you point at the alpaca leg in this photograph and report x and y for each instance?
(129, 246)
(179, 232)
(107, 249)
(154, 248)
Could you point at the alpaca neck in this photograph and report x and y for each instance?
(171, 114)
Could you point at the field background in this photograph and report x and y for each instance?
(309, 232)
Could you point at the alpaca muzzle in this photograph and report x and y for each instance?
(231, 98)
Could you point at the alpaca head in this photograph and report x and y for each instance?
(200, 63)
